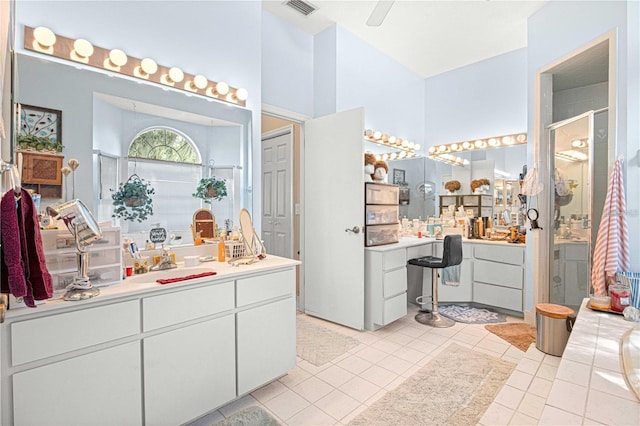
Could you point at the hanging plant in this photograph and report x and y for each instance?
(211, 188)
(132, 200)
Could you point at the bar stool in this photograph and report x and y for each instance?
(451, 256)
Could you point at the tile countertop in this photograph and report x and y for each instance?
(146, 283)
(589, 385)
(415, 241)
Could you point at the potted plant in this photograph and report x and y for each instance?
(132, 200)
(211, 188)
(38, 143)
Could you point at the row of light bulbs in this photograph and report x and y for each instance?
(446, 152)
(43, 40)
(395, 155)
(391, 141)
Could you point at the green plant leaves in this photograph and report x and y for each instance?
(132, 201)
(211, 188)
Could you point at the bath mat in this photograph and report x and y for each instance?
(519, 334)
(470, 315)
(454, 388)
(318, 344)
(252, 416)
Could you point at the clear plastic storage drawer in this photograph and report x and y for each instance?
(381, 215)
(381, 234)
(380, 193)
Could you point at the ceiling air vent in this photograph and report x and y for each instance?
(300, 6)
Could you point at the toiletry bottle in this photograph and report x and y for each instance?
(221, 251)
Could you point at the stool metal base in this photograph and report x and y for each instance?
(434, 320)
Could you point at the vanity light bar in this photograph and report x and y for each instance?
(437, 151)
(391, 142)
(400, 155)
(450, 159)
(43, 40)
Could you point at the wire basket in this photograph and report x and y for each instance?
(235, 249)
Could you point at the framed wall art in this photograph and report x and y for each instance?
(398, 176)
(39, 129)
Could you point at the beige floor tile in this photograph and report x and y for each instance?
(574, 372)
(359, 389)
(387, 346)
(312, 389)
(610, 382)
(610, 409)
(400, 339)
(547, 371)
(395, 364)
(540, 387)
(337, 404)
(569, 396)
(531, 405)
(311, 416)
(312, 369)
(528, 366)
(295, 376)
(409, 354)
(552, 416)
(336, 375)
(510, 397)
(520, 380)
(353, 414)
(286, 405)
(267, 392)
(379, 376)
(373, 355)
(496, 415)
(354, 364)
(520, 419)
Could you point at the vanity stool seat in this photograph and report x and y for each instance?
(451, 256)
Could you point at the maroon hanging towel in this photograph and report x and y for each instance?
(24, 272)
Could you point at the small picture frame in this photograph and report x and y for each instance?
(398, 176)
(39, 128)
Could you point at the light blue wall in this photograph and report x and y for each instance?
(287, 66)
(219, 39)
(391, 94)
(561, 28)
(488, 98)
(324, 72)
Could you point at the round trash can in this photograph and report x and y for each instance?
(553, 326)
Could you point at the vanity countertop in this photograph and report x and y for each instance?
(406, 242)
(146, 283)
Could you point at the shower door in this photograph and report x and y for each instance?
(571, 167)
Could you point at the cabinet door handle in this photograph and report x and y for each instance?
(355, 230)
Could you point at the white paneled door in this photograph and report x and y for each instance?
(333, 218)
(277, 191)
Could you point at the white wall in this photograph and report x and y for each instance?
(219, 39)
(488, 98)
(287, 66)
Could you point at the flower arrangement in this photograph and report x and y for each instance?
(132, 200)
(211, 188)
(452, 185)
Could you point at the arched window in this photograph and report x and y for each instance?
(163, 144)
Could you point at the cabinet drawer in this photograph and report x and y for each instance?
(498, 273)
(55, 240)
(513, 255)
(419, 251)
(394, 259)
(56, 334)
(507, 298)
(395, 282)
(264, 287)
(381, 215)
(185, 305)
(394, 308)
(67, 260)
(376, 235)
(376, 193)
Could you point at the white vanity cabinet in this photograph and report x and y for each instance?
(498, 276)
(385, 291)
(462, 292)
(149, 354)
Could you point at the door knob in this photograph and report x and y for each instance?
(355, 230)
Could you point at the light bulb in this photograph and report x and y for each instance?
(507, 140)
(44, 37)
(478, 143)
(521, 138)
(467, 145)
(393, 156)
(117, 57)
(148, 66)
(222, 88)
(494, 142)
(405, 144)
(402, 154)
(377, 135)
(385, 157)
(432, 149)
(410, 145)
(82, 48)
(199, 82)
(442, 148)
(392, 140)
(242, 94)
(378, 157)
(176, 75)
(454, 147)
(416, 147)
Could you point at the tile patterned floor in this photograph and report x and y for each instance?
(338, 391)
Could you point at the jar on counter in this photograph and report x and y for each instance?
(620, 297)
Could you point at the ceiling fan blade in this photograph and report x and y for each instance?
(379, 13)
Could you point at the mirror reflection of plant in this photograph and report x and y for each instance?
(132, 201)
(38, 143)
(211, 188)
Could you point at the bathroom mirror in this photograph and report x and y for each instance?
(103, 113)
